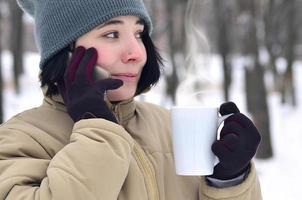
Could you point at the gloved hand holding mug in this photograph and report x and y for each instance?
(84, 96)
(238, 143)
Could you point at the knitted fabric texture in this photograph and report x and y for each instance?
(58, 23)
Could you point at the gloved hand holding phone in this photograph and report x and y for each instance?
(82, 94)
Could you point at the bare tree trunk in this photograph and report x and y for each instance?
(16, 41)
(255, 89)
(176, 42)
(172, 80)
(255, 86)
(223, 44)
(288, 88)
(269, 41)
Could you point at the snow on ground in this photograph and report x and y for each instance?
(280, 176)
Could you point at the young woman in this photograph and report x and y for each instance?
(90, 139)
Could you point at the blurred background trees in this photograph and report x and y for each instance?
(259, 32)
(16, 40)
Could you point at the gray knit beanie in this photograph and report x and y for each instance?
(58, 23)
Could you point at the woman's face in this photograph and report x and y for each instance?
(120, 51)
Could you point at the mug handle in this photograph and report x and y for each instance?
(224, 117)
(220, 120)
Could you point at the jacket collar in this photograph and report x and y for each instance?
(123, 110)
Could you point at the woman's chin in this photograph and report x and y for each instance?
(119, 95)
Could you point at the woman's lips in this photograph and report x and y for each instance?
(131, 77)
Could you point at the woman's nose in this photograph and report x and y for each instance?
(133, 51)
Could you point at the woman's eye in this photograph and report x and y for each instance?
(139, 35)
(111, 35)
(115, 35)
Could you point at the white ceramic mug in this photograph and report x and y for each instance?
(194, 130)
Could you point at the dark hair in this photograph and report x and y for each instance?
(53, 70)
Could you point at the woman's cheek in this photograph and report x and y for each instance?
(104, 59)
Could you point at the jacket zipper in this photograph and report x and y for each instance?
(115, 113)
(144, 164)
(147, 170)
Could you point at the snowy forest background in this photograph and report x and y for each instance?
(246, 51)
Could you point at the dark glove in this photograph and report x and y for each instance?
(238, 143)
(84, 97)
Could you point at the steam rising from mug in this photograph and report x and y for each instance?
(196, 39)
(197, 45)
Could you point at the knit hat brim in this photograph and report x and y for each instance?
(58, 23)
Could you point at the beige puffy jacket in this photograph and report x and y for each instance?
(44, 155)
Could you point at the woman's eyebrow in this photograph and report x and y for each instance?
(111, 22)
(117, 22)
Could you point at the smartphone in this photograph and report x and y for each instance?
(100, 73)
